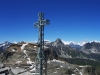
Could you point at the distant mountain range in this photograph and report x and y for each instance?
(89, 51)
(89, 47)
(25, 53)
(57, 48)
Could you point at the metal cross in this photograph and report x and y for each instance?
(41, 61)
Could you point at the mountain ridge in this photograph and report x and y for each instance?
(24, 53)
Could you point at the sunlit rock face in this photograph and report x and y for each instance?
(21, 53)
(15, 54)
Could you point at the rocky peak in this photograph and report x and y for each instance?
(58, 42)
(7, 42)
(4, 46)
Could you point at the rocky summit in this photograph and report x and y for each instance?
(19, 58)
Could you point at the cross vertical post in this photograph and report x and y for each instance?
(41, 61)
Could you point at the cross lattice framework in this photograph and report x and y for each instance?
(41, 61)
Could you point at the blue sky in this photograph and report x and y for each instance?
(70, 20)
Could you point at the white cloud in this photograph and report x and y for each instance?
(15, 42)
(68, 42)
(30, 42)
(46, 40)
(79, 43)
(95, 41)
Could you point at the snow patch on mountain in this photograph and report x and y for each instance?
(23, 46)
(54, 60)
(32, 67)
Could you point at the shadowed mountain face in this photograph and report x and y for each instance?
(93, 47)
